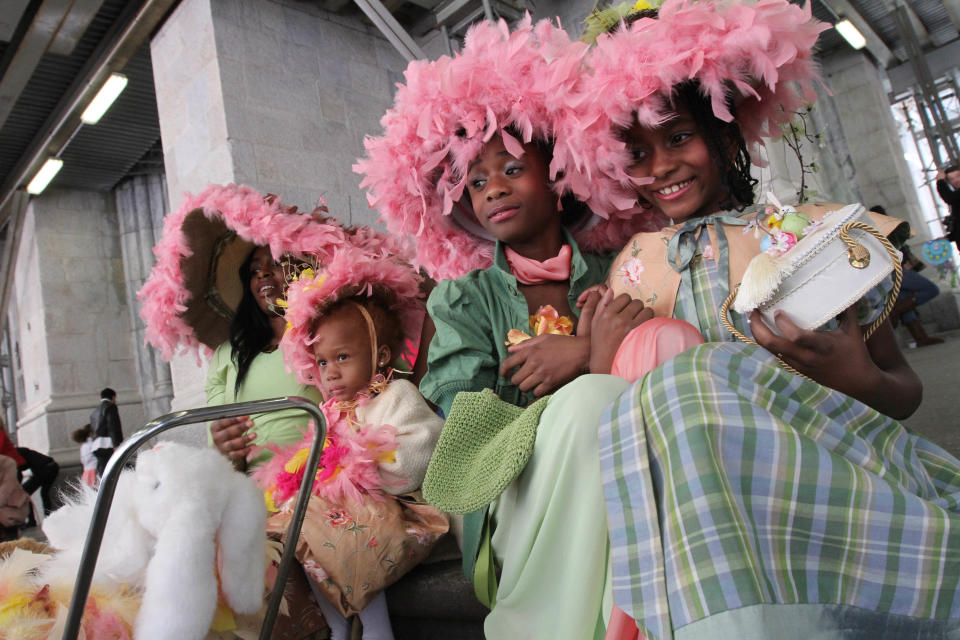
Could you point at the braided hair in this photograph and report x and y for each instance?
(724, 141)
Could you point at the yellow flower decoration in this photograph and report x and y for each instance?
(774, 221)
(641, 5)
(268, 498)
(548, 320)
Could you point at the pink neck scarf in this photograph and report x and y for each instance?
(529, 271)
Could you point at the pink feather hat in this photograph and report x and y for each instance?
(757, 52)
(188, 299)
(349, 273)
(443, 116)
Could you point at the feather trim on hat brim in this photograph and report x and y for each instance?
(349, 273)
(174, 300)
(519, 85)
(759, 53)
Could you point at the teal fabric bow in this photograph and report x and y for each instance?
(683, 246)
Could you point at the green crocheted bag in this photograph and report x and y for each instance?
(483, 447)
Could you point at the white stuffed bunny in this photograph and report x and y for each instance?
(182, 519)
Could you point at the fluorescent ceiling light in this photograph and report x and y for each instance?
(44, 176)
(104, 98)
(851, 34)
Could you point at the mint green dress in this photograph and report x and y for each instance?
(741, 502)
(266, 378)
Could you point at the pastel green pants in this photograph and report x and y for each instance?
(550, 535)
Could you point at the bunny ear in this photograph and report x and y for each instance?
(242, 536)
(181, 588)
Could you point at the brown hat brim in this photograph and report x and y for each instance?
(211, 274)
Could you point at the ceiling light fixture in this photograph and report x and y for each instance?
(104, 98)
(851, 34)
(44, 176)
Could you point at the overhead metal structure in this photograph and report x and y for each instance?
(936, 121)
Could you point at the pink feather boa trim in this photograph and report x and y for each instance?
(414, 173)
(348, 268)
(349, 464)
(759, 50)
(264, 222)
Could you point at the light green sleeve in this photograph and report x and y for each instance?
(216, 385)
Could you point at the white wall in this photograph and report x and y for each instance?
(70, 319)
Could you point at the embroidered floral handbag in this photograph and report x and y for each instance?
(354, 550)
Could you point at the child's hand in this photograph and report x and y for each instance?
(838, 359)
(613, 319)
(230, 437)
(546, 362)
(596, 291)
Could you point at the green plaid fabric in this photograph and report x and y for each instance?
(730, 482)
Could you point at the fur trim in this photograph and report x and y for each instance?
(350, 272)
(525, 80)
(759, 51)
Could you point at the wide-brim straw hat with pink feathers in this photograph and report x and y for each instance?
(521, 81)
(189, 298)
(756, 54)
(349, 273)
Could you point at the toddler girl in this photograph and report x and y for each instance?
(363, 531)
(84, 436)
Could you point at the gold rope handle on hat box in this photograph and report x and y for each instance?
(858, 257)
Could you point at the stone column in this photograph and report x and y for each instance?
(69, 320)
(276, 94)
(882, 175)
(830, 174)
(141, 205)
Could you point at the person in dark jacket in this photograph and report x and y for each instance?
(948, 186)
(107, 434)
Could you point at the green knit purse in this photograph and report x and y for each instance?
(483, 447)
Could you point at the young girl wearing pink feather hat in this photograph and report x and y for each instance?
(469, 165)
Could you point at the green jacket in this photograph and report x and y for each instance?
(473, 315)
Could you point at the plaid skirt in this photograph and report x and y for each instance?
(736, 491)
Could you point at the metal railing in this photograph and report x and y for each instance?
(108, 486)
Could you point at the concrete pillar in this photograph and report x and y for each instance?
(276, 94)
(830, 173)
(69, 320)
(141, 204)
(882, 175)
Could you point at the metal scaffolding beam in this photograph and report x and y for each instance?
(391, 29)
(936, 121)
